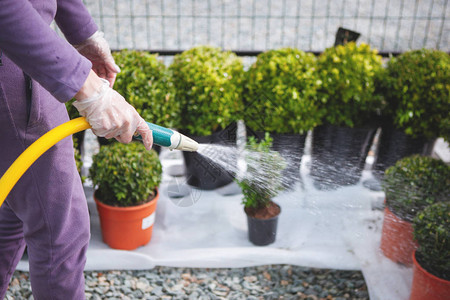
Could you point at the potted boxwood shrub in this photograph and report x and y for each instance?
(145, 82)
(431, 272)
(349, 106)
(208, 86)
(410, 185)
(280, 98)
(416, 92)
(126, 178)
(260, 183)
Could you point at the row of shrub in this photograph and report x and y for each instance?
(289, 91)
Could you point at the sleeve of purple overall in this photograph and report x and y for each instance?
(37, 49)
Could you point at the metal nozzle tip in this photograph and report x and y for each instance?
(187, 144)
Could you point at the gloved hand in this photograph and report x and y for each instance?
(110, 115)
(97, 50)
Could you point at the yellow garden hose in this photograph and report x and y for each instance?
(32, 153)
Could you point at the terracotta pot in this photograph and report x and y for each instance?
(427, 286)
(397, 241)
(127, 228)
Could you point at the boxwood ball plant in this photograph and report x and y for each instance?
(415, 182)
(125, 175)
(347, 84)
(146, 84)
(262, 179)
(417, 91)
(208, 84)
(432, 233)
(280, 92)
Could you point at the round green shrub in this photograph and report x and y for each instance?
(432, 233)
(280, 93)
(208, 83)
(415, 182)
(347, 84)
(125, 175)
(262, 179)
(146, 84)
(417, 92)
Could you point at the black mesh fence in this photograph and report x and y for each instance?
(256, 25)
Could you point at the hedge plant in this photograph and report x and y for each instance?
(208, 83)
(76, 138)
(281, 89)
(432, 233)
(415, 182)
(262, 179)
(146, 84)
(417, 92)
(125, 175)
(347, 84)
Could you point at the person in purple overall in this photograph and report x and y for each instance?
(39, 71)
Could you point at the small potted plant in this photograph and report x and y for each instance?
(416, 91)
(281, 98)
(126, 178)
(145, 82)
(349, 108)
(410, 185)
(431, 271)
(260, 183)
(208, 86)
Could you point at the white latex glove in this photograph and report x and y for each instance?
(97, 50)
(110, 116)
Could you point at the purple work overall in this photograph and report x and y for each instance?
(46, 210)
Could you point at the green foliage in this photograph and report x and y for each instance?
(281, 90)
(73, 114)
(347, 84)
(146, 84)
(417, 92)
(208, 85)
(77, 154)
(71, 110)
(125, 175)
(432, 233)
(262, 179)
(415, 182)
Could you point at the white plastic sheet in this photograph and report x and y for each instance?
(335, 229)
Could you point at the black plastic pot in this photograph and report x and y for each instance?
(262, 232)
(338, 155)
(204, 173)
(394, 145)
(291, 147)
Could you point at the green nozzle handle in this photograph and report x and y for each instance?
(171, 139)
(161, 135)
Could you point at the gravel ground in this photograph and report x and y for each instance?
(263, 282)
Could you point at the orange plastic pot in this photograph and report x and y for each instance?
(427, 286)
(127, 228)
(397, 240)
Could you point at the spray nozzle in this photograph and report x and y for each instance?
(171, 139)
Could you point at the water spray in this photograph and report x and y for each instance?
(161, 136)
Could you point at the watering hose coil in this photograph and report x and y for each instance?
(32, 153)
